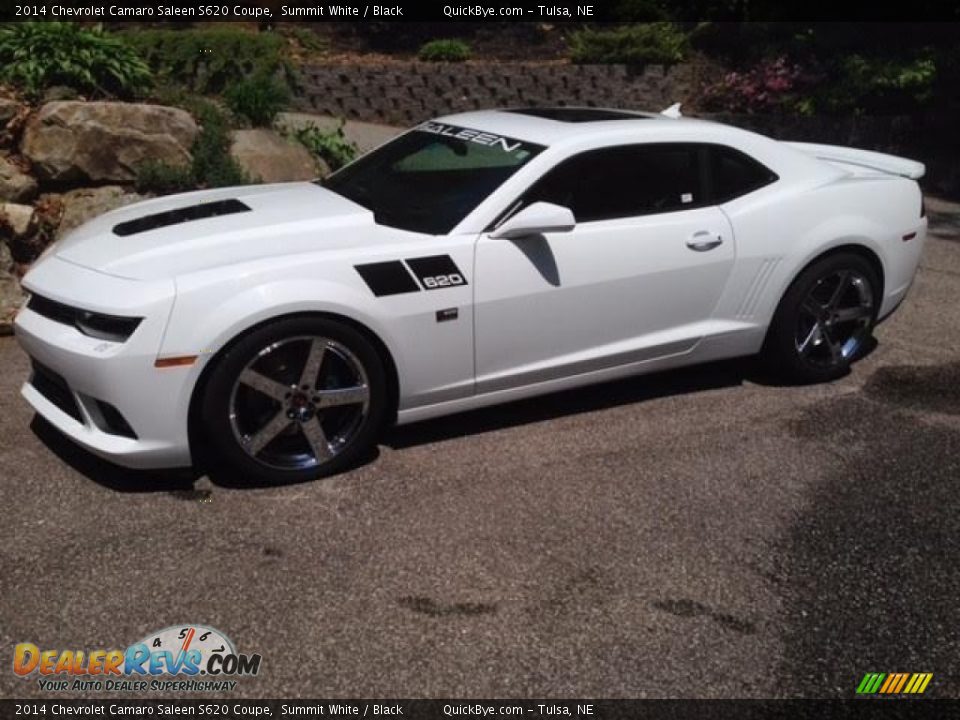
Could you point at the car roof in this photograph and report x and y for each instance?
(550, 125)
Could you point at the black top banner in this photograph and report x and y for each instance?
(273, 11)
(450, 709)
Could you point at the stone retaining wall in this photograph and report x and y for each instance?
(407, 92)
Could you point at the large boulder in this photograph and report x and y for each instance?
(82, 205)
(15, 185)
(104, 142)
(267, 156)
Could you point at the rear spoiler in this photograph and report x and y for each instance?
(863, 158)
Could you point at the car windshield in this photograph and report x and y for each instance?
(432, 177)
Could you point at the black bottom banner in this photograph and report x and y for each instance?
(490, 709)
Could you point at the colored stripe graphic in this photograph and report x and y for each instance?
(894, 683)
(870, 683)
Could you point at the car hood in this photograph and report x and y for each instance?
(176, 234)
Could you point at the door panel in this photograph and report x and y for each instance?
(609, 292)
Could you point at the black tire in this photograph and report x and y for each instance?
(806, 341)
(237, 414)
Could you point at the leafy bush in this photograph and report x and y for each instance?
(444, 51)
(207, 61)
(767, 86)
(331, 146)
(258, 99)
(308, 39)
(659, 42)
(164, 179)
(212, 164)
(883, 86)
(848, 84)
(38, 55)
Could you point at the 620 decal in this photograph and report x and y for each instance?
(392, 277)
(436, 272)
(442, 281)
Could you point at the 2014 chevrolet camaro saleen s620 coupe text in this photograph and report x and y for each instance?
(478, 258)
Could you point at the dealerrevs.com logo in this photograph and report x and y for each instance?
(180, 658)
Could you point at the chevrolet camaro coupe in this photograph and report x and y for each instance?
(476, 259)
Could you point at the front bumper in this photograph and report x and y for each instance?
(81, 384)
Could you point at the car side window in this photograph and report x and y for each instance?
(624, 181)
(733, 174)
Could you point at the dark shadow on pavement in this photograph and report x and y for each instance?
(106, 473)
(710, 376)
(180, 482)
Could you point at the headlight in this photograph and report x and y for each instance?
(106, 327)
(115, 328)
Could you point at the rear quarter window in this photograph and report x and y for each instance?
(734, 174)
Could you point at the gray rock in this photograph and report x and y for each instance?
(6, 259)
(104, 142)
(86, 204)
(268, 156)
(16, 219)
(15, 185)
(60, 92)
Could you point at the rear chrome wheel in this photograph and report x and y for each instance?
(825, 319)
(835, 318)
(296, 400)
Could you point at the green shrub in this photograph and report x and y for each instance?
(38, 55)
(308, 39)
(258, 99)
(207, 61)
(660, 43)
(164, 179)
(883, 86)
(212, 164)
(444, 51)
(331, 146)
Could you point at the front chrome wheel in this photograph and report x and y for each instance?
(293, 399)
(835, 318)
(299, 402)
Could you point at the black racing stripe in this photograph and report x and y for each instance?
(435, 268)
(387, 278)
(180, 215)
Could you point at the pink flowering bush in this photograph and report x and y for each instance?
(768, 86)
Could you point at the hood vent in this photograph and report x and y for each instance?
(180, 215)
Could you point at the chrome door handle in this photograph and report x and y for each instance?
(704, 240)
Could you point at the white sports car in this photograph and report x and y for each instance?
(477, 258)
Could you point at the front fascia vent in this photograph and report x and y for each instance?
(180, 215)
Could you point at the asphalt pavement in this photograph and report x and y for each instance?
(699, 533)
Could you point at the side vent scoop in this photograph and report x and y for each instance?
(180, 215)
